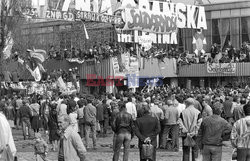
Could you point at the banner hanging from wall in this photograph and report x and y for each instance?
(227, 68)
(83, 15)
(149, 21)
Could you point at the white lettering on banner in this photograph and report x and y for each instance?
(170, 38)
(202, 22)
(227, 68)
(83, 15)
(191, 16)
(149, 21)
(156, 20)
(181, 20)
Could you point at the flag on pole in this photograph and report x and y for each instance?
(38, 54)
(61, 84)
(37, 74)
(85, 31)
(41, 68)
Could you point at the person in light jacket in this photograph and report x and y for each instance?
(71, 147)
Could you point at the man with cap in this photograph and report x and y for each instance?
(190, 120)
(240, 135)
(90, 121)
(212, 132)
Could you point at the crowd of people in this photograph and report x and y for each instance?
(202, 117)
(227, 54)
(217, 54)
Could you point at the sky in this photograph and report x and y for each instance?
(206, 1)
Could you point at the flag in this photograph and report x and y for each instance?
(85, 31)
(8, 46)
(38, 54)
(61, 84)
(41, 68)
(37, 74)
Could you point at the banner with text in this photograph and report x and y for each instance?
(83, 15)
(149, 21)
(221, 68)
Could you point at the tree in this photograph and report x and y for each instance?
(9, 18)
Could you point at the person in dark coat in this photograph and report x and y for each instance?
(147, 128)
(54, 136)
(100, 115)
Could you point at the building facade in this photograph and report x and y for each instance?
(226, 22)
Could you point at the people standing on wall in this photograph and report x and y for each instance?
(245, 49)
(230, 49)
(214, 50)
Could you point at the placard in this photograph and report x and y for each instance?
(221, 68)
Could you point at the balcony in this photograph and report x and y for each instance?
(202, 70)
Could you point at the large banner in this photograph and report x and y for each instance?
(227, 68)
(165, 19)
(149, 21)
(83, 15)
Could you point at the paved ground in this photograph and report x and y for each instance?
(25, 151)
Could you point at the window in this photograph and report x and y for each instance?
(245, 26)
(235, 32)
(161, 7)
(215, 32)
(180, 41)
